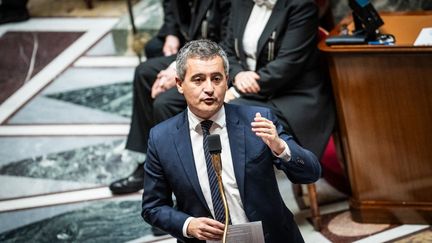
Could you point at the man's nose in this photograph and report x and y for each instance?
(208, 85)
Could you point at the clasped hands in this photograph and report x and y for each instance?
(246, 82)
(166, 78)
(164, 81)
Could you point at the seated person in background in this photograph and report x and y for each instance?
(253, 141)
(167, 41)
(154, 80)
(13, 11)
(274, 62)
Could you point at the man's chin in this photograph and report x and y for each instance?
(208, 110)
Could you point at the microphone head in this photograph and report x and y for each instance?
(214, 144)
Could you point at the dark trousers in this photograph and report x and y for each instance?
(147, 112)
(18, 4)
(13, 11)
(154, 47)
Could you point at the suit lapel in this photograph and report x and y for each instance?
(272, 25)
(245, 8)
(236, 135)
(185, 153)
(198, 17)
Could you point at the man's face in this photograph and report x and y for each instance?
(204, 86)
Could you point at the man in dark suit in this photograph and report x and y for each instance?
(253, 142)
(154, 80)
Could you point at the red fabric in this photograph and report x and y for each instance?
(332, 170)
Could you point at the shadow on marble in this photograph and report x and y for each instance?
(83, 167)
(97, 221)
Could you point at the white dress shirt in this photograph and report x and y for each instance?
(232, 193)
(253, 30)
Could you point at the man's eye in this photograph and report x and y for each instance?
(217, 78)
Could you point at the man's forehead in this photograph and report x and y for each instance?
(197, 59)
(201, 65)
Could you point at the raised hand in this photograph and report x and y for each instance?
(266, 130)
(171, 45)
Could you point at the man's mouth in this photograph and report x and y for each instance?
(209, 100)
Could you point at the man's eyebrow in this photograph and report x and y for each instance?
(197, 75)
(203, 74)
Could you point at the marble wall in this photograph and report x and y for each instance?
(340, 7)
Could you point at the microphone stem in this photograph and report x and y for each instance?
(222, 192)
(217, 166)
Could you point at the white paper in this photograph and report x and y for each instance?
(424, 38)
(244, 233)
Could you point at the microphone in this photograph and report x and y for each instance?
(215, 148)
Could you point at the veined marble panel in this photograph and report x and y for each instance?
(98, 221)
(82, 78)
(113, 98)
(24, 54)
(94, 29)
(76, 166)
(43, 110)
(82, 95)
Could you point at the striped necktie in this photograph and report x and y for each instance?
(218, 206)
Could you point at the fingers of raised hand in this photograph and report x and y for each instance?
(263, 127)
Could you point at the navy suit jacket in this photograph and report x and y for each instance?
(170, 168)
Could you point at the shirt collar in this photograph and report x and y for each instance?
(195, 122)
(267, 3)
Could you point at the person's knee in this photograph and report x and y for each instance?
(154, 48)
(141, 70)
(160, 103)
(141, 77)
(166, 105)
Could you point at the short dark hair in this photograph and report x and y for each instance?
(203, 49)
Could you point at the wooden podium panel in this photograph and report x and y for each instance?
(384, 104)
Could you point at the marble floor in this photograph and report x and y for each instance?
(65, 90)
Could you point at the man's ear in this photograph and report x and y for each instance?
(227, 81)
(179, 85)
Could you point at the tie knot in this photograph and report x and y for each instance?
(205, 125)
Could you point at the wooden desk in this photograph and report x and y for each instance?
(384, 103)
